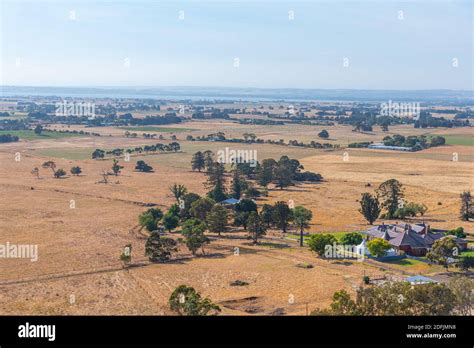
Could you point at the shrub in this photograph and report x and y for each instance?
(143, 167)
(318, 242)
(378, 247)
(186, 301)
(76, 170)
(458, 232)
(59, 173)
(159, 249)
(238, 283)
(465, 263)
(352, 238)
(150, 218)
(323, 134)
(437, 141)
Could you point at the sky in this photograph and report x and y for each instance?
(238, 43)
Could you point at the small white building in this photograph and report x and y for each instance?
(361, 249)
(419, 279)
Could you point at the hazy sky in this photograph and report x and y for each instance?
(388, 45)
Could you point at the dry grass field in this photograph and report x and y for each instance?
(79, 247)
(338, 134)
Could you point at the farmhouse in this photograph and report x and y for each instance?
(414, 239)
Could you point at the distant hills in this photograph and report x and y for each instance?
(247, 94)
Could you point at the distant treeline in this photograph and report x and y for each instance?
(168, 118)
(250, 138)
(360, 145)
(427, 121)
(445, 111)
(464, 115)
(458, 113)
(109, 120)
(81, 132)
(171, 147)
(14, 124)
(8, 138)
(260, 121)
(416, 143)
(364, 120)
(100, 109)
(213, 114)
(313, 144)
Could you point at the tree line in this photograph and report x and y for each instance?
(402, 298)
(250, 138)
(281, 173)
(389, 197)
(195, 215)
(8, 138)
(171, 147)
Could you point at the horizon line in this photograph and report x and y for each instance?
(239, 87)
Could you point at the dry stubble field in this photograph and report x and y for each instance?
(79, 248)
